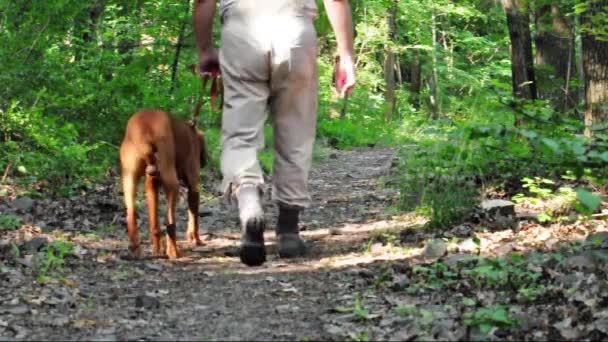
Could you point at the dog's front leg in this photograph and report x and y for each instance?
(193, 204)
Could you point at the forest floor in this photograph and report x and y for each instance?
(371, 274)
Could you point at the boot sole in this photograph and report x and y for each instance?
(253, 251)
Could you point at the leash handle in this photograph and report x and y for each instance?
(217, 87)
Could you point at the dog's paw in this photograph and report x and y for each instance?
(173, 252)
(194, 240)
(134, 253)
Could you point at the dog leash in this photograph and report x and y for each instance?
(217, 88)
(216, 83)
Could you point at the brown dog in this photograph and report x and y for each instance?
(167, 151)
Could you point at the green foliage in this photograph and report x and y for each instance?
(267, 161)
(9, 222)
(42, 149)
(75, 71)
(362, 336)
(535, 186)
(512, 272)
(493, 272)
(359, 312)
(488, 318)
(588, 202)
(566, 198)
(53, 258)
(437, 179)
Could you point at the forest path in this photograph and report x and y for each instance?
(359, 282)
(207, 294)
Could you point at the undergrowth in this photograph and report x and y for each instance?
(447, 166)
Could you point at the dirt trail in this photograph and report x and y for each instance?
(361, 280)
(208, 294)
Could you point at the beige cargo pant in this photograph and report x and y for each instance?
(268, 62)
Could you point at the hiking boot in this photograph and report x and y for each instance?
(290, 243)
(251, 215)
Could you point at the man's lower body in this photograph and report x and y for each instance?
(268, 60)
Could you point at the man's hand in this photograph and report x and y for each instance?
(340, 18)
(345, 75)
(208, 63)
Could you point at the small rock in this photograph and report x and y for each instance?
(333, 156)
(44, 226)
(434, 249)
(335, 330)
(527, 321)
(146, 302)
(23, 204)
(18, 310)
(582, 261)
(154, 267)
(335, 231)
(286, 308)
(207, 211)
(362, 272)
(25, 261)
(498, 206)
(34, 245)
(455, 259)
(400, 282)
(468, 246)
(58, 321)
(377, 248)
(452, 248)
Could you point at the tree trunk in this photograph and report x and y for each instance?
(416, 80)
(178, 50)
(389, 67)
(87, 27)
(595, 66)
(522, 67)
(433, 81)
(578, 40)
(554, 49)
(95, 12)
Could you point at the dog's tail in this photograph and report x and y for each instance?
(150, 157)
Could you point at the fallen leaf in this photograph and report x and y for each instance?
(82, 323)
